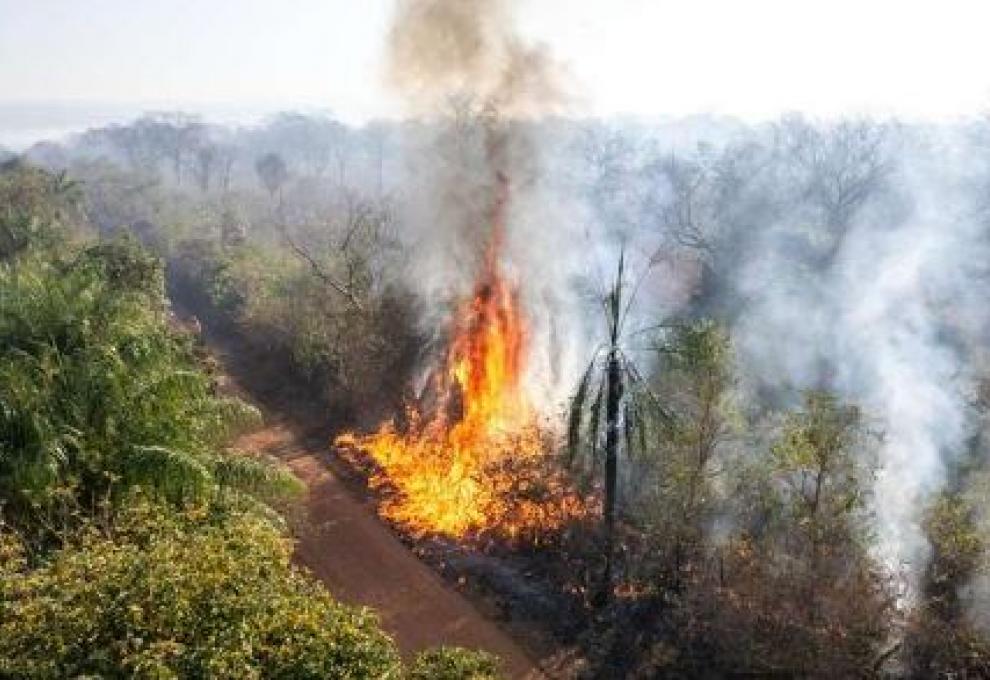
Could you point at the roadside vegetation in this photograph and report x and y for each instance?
(133, 541)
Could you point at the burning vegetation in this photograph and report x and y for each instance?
(472, 457)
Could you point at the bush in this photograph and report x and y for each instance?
(168, 596)
(350, 355)
(454, 663)
(98, 395)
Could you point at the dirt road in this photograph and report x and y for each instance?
(344, 543)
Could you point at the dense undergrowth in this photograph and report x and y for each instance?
(133, 543)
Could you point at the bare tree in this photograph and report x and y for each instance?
(177, 134)
(708, 204)
(136, 142)
(226, 159)
(837, 170)
(205, 163)
(341, 251)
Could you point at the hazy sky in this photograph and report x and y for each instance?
(751, 58)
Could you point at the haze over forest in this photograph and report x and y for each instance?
(658, 331)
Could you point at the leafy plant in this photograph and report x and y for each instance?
(454, 663)
(98, 395)
(162, 594)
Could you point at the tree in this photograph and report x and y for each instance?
(708, 204)
(795, 590)
(837, 170)
(36, 207)
(226, 159)
(98, 395)
(611, 162)
(138, 144)
(206, 164)
(177, 134)
(273, 173)
(616, 383)
(942, 638)
(131, 543)
(376, 135)
(821, 463)
(675, 494)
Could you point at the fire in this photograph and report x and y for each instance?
(477, 463)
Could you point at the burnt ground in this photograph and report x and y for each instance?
(361, 560)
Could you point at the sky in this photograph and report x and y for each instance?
(754, 59)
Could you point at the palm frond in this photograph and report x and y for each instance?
(576, 413)
(255, 476)
(594, 421)
(178, 473)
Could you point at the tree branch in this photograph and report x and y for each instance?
(322, 274)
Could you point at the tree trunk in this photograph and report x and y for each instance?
(611, 464)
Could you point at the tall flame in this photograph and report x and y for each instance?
(477, 463)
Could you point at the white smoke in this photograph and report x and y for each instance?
(882, 318)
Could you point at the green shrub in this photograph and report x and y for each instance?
(167, 596)
(351, 355)
(98, 395)
(454, 663)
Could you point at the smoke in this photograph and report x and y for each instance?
(442, 47)
(886, 324)
(479, 94)
(885, 314)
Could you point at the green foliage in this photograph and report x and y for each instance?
(822, 462)
(35, 206)
(958, 545)
(24, 188)
(131, 543)
(453, 663)
(674, 494)
(798, 578)
(943, 637)
(166, 595)
(19, 230)
(97, 394)
(353, 355)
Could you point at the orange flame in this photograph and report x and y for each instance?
(478, 464)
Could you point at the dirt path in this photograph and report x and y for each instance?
(344, 543)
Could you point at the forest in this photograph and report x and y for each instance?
(488, 382)
(760, 449)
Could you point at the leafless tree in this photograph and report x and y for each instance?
(341, 251)
(837, 169)
(205, 163)
(177, 135)
(226, 159)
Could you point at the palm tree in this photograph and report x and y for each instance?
(615, 381)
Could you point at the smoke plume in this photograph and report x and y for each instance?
(478, 94)
(891, 320)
